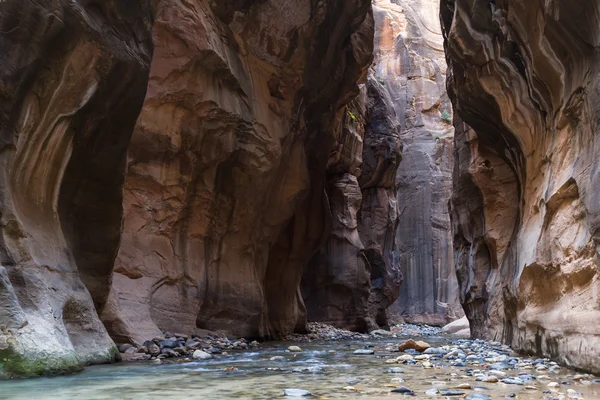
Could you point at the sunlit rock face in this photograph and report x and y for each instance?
(526, 209)
(410, 65)
(225, 200)
(70, 93)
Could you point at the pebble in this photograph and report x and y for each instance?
(363, 352)
(294, 349)
(432, 392)
(403, 390)
(201, 355)
(463, 386)
(451, 392)
(297, 393)
(513, 381)
(395, 370)
(553, 385)
(478, 396)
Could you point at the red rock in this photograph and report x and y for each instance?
(419, 346)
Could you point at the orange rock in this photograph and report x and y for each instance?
(419, 346)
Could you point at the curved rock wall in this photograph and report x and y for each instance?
(224, 197)
(525, 210)
(410, 64)
(70, 93)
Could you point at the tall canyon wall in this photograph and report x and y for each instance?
(223, 201)
(526, 209)
(410, 65)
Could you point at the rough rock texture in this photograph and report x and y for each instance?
(410, 65)
(526, 210)
(224, 197)
(70, 93)
(354, 277)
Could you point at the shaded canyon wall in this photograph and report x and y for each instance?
(70, 93)
(525, 210)
(224, 198)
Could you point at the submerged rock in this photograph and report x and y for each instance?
(297, 393)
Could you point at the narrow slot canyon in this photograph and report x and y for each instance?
(309, 198)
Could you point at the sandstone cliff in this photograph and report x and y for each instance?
(354, 277)
(224, 198)
(526, 214)
(409, 63)
(70, 93)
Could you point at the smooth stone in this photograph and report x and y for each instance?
(363, 352)
(432, 392)
(463, 386)
(451, 392)
(405, 357)
(169, 344)
(513, 381)
(553, 384)
(124, 347)
(478, 396)
(381, 332)
(297, 393)
(201, 355)
(490, 379)
(403, 390)
(154, 350)
(395, 370)
(294, 349)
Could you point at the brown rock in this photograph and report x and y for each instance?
(419, 346)
(525, 84)
(73, 75)
(224, 199)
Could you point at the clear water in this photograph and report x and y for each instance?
(330, 369)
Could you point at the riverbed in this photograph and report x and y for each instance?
(326, 369)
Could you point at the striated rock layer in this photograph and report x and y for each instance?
(224, 198)
(70, 93)
(525, 210)
(410, 64)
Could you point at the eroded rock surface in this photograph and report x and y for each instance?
(70, 93)
(524, 81)
(224, 198)
(410, 66)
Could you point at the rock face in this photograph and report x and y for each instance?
(525, 209)
(224, 198)
(409, 62)
(354, 277)
(70, 93)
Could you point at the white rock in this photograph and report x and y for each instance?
(201, 355)
(294, 349)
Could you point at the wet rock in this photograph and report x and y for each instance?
(294, 349)
(124, 347)
(513, 381)
(201, 355)
(395, 370)
(451, 392)
(403, 390)
(363, 352)
(432, 392)
(277, 358)
(297, 393)
(169, 344)
(478, 396)
(153, 350)
(411, 344)
(381, 332)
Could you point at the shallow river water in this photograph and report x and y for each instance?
(329, 370)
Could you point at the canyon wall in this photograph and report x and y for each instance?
(70, 93)
(523, 77)
(225, 200)
(410, 64)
